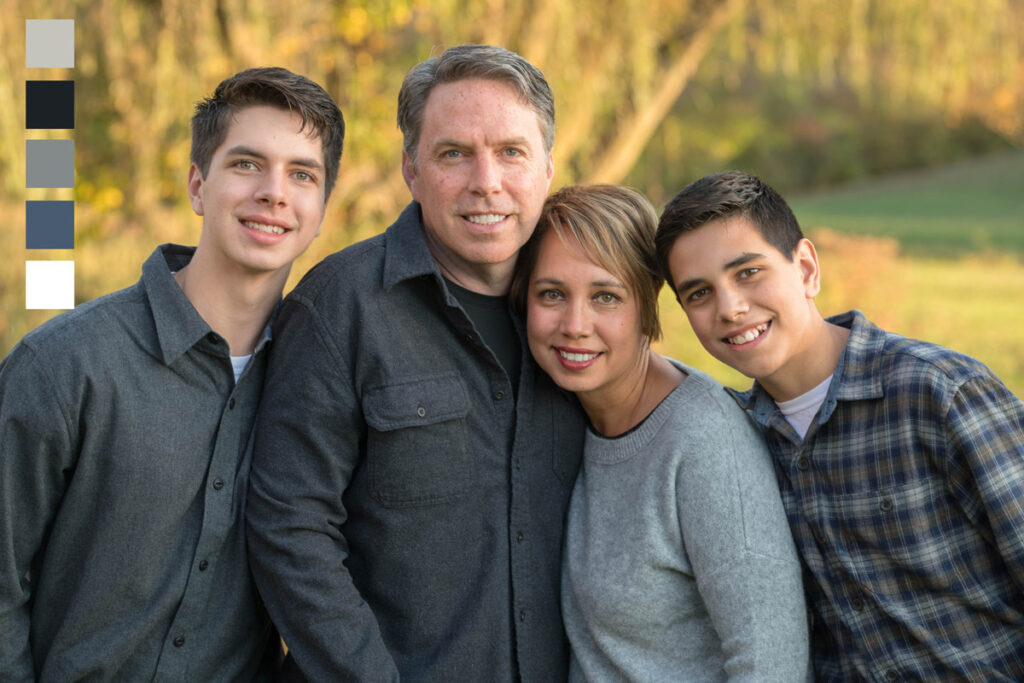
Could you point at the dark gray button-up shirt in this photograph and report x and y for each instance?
(405, 512)
(123, 475)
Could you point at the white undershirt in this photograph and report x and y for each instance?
(238, 364)
(801, 410)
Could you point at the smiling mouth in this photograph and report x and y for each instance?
(263, 227)
(486, 218)
(577, 357)
(748, 336)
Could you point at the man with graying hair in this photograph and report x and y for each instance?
(413, 466)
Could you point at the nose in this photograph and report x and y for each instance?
(732, 305)
(272, 189)
(576, 319)
(486, 178)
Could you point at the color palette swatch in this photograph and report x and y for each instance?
(50, 225)
(50, 43)
(49, 105)
(49, 284)
(49, 163)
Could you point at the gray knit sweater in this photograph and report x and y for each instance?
(679, 564)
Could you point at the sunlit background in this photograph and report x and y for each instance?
(896, 129)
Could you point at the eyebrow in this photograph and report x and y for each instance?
(243, 151)
(595, 283)
(745, 257)
(461, 144)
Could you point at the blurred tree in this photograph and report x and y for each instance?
(621, 70)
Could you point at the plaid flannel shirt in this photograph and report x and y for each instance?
(906, 501)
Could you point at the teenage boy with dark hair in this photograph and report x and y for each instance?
(125, 422)
(901, 463)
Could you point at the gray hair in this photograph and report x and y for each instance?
(473, 61)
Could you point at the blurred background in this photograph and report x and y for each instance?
(895, 129)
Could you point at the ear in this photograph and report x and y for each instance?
(195, 185)
(806, 259)
(551, 168)
(409, 172)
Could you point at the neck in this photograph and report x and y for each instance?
(616, 409)
(809, 368)
(234, 303)
(492, 279)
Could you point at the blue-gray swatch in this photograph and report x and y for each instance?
(50, 225)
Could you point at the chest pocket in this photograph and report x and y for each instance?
(417, 447)
(902, 537)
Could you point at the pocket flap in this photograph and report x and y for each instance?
(416, 402)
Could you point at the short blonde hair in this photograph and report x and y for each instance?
(615, 226)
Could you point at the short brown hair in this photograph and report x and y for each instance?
(275, 87)
(615, 226)
(458, 63)
(721, 196)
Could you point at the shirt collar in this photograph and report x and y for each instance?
(407, 255)
(178, 324)
(857, 376)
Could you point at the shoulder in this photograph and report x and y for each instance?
(707, 412)
(358, 266)
(920, 367)
(96, 322)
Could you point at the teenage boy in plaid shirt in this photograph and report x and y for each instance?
(901, 463)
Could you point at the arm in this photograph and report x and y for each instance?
(742, 553)
(308, 438)
(36, 455)
(984, 428)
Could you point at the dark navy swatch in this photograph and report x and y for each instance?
(49, 104)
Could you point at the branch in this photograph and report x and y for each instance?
(622, 155)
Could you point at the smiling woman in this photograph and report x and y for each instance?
(678, 563)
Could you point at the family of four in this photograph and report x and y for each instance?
(451, 453)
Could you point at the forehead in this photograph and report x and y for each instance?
(474, 107)
(560, 257)
(263, 125)
(722, 238)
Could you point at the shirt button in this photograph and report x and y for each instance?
(522, 615)
(803, 463)
(519, 537)
(218, 484)
(231, 404)
(203, 564)
(857, 604)
(885, 505)
(891, 675)
(179, 641)
(498, 395)
(519, 463)
(421, 411)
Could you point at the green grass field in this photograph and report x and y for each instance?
(967, 207)
(956, 276)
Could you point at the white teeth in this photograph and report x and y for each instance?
(748, 336)
(262, 227)
(577, 357)
(486, 219)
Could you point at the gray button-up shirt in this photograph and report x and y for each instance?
(123, 475)
(406, 510)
